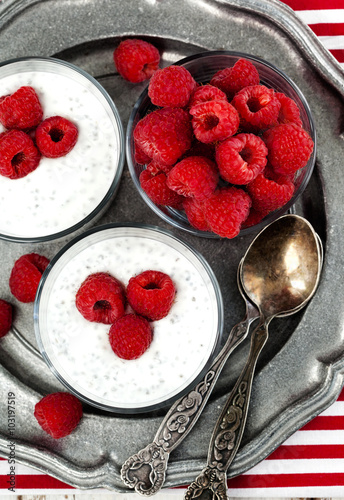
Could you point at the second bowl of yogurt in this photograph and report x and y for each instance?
(70, 193)
(78, 351)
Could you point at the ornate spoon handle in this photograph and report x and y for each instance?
(145, 471)
(230, 426)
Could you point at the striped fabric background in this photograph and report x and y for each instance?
(311, 462)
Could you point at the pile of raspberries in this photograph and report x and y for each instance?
(226, 152)
(28, 137)
(102, 298)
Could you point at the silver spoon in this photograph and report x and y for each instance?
(146, 470)
(280, 273)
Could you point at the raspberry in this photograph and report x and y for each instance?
(18, 154)
(214, 120)
(201, 149)
(101, 298)
(257, 106)
(226, 210)
(164, 135)
(171, 87)
(130, 336)
(155, 186)
(140, 156)
(194, 211)
(136, 60)
(290, 148)
(206, 93)
(58, 414)
(25, 276)
(270, 191)
(289, 111)
(151, 294)
(254, 217)
(56, 136)
(241, 158)
(5, 317)
(21, 110)
(156, 167)
(232, 80)
(195, 176)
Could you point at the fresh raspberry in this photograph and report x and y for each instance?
(155, 186)
(206, 93)
(257, 106)
(18, 154)
(58, 414)
(290, 148)
(199, 148)
(5, 317)
(156, 167)
(136, 60)
(241, 158)
(232, 80)
(270, 191)
(56, 136)
(21, 110)
(130, 336)
(289, 111)
(194, 211)
(254, 217)
(164, 135)
(171, 87)
(101, 298)
(214, 120)
(140, 156)
(25, 276)
(195, 176)
(151, 294)
(226, 210)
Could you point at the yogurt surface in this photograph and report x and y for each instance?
(61, 192)
(80, 350)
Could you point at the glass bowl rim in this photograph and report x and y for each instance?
(185, 226)
(121, 156)
(219, 319)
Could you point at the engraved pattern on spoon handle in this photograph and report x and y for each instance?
(230, 426)
(179, 420)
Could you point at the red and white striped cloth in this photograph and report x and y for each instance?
(311, 462)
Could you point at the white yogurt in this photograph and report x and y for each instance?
(61, 192)
(182, 341)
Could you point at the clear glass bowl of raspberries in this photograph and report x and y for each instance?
(221, 144)
(61, 149)
(118, 321)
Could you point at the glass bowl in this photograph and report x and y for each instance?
(202, 67)
(78, 351)
(67, 194)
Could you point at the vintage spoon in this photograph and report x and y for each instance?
(280, 273)
(145, 471)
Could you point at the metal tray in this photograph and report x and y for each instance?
(301, 371)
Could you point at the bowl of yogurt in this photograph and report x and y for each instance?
(66, 194)
(78, 351)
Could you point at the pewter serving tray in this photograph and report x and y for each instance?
(301, 370)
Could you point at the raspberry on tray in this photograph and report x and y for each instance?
(58, 414)
(136, 60)
(5, 317)
(21, 110)
(26, 275)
